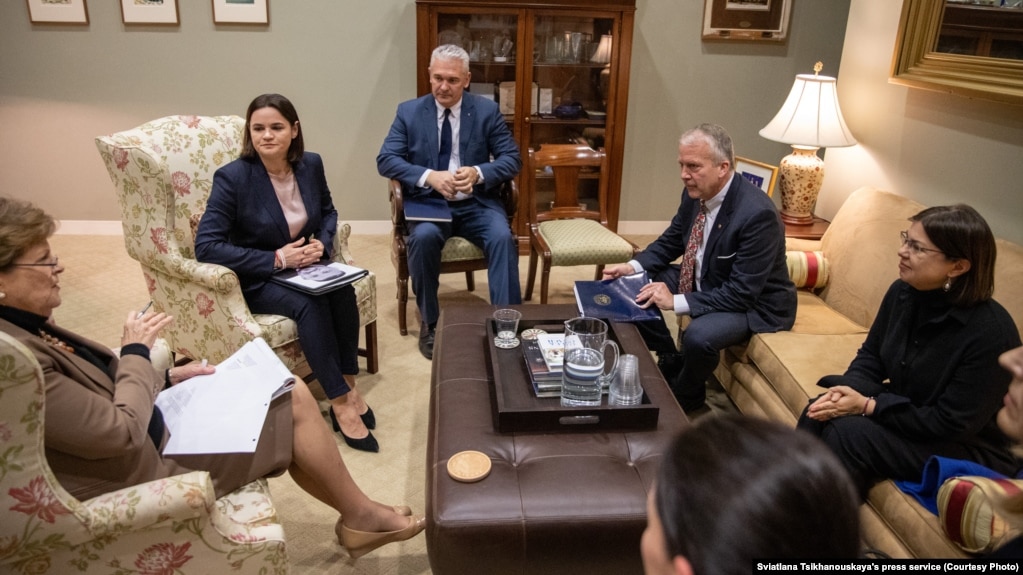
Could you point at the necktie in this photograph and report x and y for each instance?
(686, 281)
(444, 157)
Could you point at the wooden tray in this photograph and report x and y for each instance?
(516, 407)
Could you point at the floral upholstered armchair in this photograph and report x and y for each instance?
(172, 525)
(163, 172)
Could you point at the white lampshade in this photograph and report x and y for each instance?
(809, 119)
(603, 53)
(810, 115)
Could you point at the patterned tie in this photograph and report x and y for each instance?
(686, 281)
(444, 158)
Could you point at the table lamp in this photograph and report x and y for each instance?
(603, 56)
(809, 119)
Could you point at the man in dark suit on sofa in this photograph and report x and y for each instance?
(458, 145)
(732, 279)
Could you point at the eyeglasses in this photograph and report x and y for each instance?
(914, 246)
(52, 265)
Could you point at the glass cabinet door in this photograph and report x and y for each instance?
(571, 73)
(490, 39)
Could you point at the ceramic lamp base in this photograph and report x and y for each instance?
(801, 174)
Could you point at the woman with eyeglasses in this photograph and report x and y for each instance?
(102, 430)
(926, 381)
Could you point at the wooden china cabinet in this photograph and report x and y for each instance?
(559, 69)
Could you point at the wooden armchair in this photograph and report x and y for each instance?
(567, 231)
(459, 254)
(163, 173)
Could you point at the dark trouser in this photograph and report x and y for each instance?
(702, 343)
(328, 329)
(483, 226)
(872, 452)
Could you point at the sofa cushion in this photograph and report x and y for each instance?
(793, 363)
(1009, 279)
(862, 245)
(917, 528)
(814, 316)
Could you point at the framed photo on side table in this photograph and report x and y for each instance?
(150, 12)
(57, 12)
(746, 20)
(763, 176)
(241, 12)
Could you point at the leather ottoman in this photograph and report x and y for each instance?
(560, 503)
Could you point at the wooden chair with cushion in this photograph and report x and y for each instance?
(163, 173)
(568, 225)
(459, 254)
(168, 525)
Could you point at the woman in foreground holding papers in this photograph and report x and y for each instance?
(271, 210)
(102, 431)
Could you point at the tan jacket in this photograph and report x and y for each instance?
(95, 430)
(96, 436)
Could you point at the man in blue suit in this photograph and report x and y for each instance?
(738, 283)
(457, 145)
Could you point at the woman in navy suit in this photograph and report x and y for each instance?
(271, 209)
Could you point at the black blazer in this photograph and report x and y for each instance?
(744, 267)
(244, 224)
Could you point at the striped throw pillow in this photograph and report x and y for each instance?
(807, 269)
(969, 509)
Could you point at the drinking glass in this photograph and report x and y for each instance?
(583, 376)
(507, 323)
(626, 389)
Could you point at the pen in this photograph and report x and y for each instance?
(144, 310)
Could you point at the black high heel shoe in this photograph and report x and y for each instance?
(368, 418)
(368, 443)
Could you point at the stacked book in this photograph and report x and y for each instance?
(544, 359)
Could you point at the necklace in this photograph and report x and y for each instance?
(56, 342)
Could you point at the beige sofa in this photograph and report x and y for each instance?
(775, 374)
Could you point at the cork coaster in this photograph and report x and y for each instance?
(468, 466)
(531, 333)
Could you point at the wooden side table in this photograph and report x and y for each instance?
(812, 231)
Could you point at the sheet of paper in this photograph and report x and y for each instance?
(224, 412)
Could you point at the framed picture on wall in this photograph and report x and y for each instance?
(746, 19)
(763, 176)
(149, 12)
(241, 12)
(57, 12)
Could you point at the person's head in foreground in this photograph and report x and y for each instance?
(732, 489)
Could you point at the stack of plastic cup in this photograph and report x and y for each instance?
(626, 388)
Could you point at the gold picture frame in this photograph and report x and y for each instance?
(58, 12)
(916, 64)
(763, 176)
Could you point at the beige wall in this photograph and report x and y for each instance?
(346, 69)
(935, 148)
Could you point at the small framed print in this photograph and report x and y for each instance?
(149, 12)
(57, 12)
(241, 12)
(746, 19)
(763, 176)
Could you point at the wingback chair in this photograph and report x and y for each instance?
(568, 231)
(168, 525)
(163, 173)
(458, 254)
